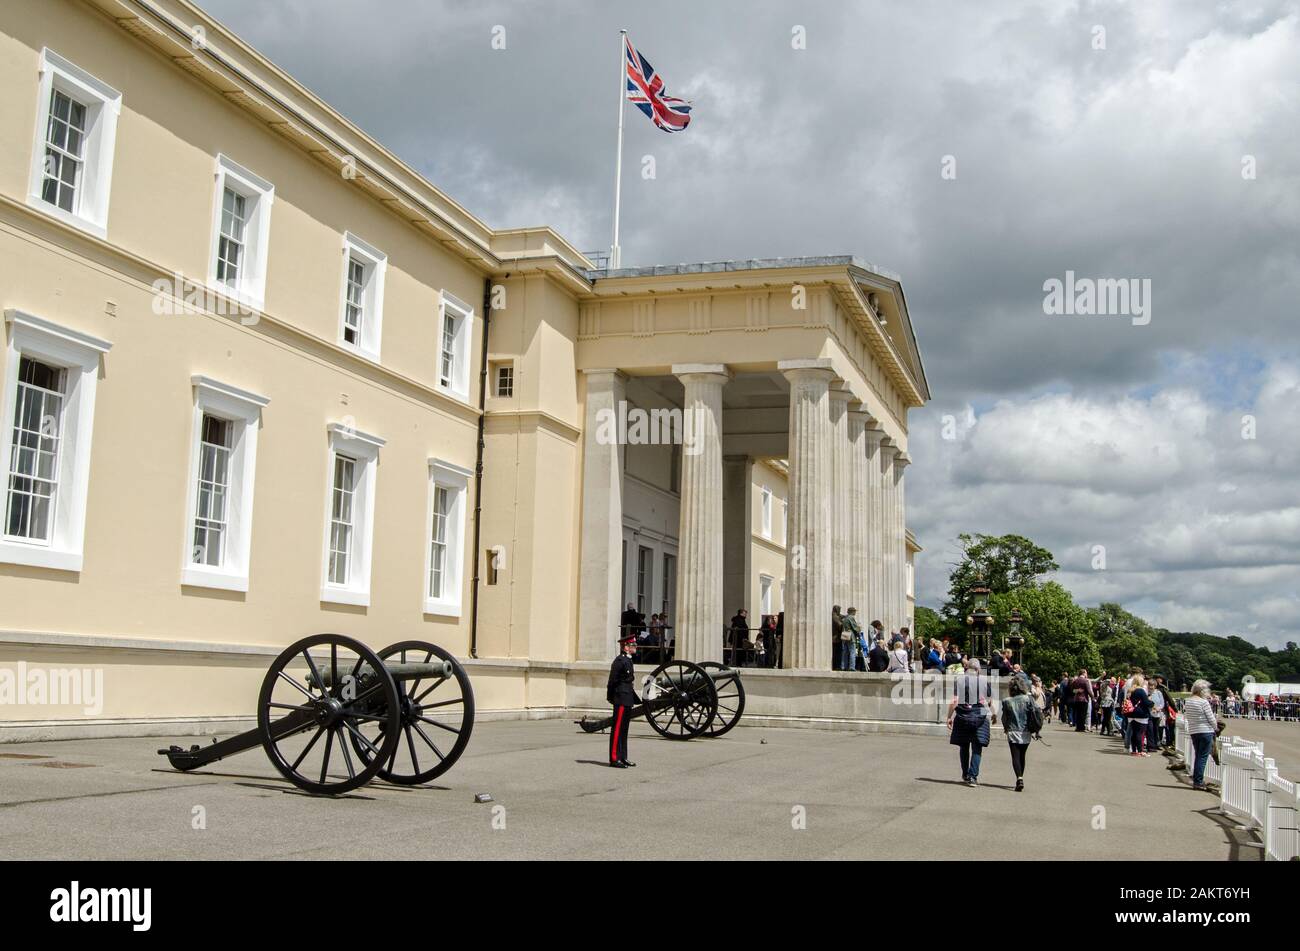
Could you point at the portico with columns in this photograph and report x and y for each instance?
(809, 363)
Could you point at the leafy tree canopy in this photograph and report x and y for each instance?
(1004, 562)
(1061, 636)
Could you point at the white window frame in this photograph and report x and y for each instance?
(765, 585)
(374, 265)
(458, 386)
(244, 409)
(765, 512)
(364, 448)
(645, 579)
(259, 196)
(78, 354)
(504, 367)
(103, 106)
(455, 480)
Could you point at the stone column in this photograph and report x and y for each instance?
(901, 461)
(889, 553)
(737, 534)
(599, 580)
(699, 539)
(858, 488)
(875, 525)
(808, 557)
(841, 514)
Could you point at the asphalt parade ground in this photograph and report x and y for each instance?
(756, 793)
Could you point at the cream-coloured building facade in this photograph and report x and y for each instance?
(251, 356)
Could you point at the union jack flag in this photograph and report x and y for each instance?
(645, 89)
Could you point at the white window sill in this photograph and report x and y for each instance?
(371, 355)
(338, 595)
(196, 577)
(460, 395)
(442, 607)
(76, 221)
(245, 299)
(39, 556)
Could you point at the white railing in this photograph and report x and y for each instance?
(1282, 823)
(1235, 782)
(1251, 791)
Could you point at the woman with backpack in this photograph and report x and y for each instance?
(968, 719)
(1021, 719)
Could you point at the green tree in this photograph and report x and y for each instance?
(1178, 665)
(1005, 563)
(1058, 633)
(1124, 640)
(928, 624)
(1217, 669)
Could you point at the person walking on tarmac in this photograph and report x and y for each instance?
(619, 693)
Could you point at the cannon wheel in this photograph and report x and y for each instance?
(420, 755)
(337, 711)
(731, 698)
(694, 700)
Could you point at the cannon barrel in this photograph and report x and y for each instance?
(435, 670)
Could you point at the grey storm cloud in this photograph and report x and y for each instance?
(1117, 162)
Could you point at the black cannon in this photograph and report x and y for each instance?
(682, 700)
(406, 713)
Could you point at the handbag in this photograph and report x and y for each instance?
(1127, 708)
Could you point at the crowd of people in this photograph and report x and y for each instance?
(1259, 707)
(1139, 710)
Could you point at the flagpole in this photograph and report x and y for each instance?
(615, 252)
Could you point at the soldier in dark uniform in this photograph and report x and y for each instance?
(620, 693)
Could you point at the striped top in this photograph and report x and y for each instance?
(1199, 715)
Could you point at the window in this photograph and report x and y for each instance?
(65, 152)
(444, 568)
(670, 584)
(766, 511)
(362, 315)
(493, 554)
(644, 577)
(453, 347)
(341, 518)
(438, 545)
(785, 522)
(505, 387)
(765, 594)
(241, 231)
(34, 460)
(211, 518)
(49, 405)
(219, 522)
(230, 243)
(72, 162)
(349, 515)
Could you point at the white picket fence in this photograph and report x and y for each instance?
(1251, 791)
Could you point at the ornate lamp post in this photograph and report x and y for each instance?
(980, 621)
(1015, 639)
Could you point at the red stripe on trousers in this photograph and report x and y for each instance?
(613, 740)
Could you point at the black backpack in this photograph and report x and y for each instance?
(1034, 719)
